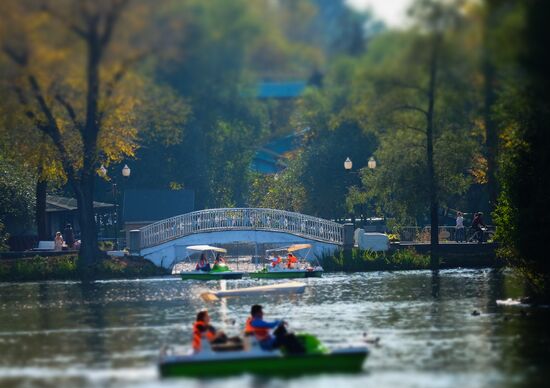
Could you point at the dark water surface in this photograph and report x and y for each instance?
(109, 333)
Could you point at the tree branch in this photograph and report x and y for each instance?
(411, 107)
(111, 19)
(70, 111)
(20, 59)
(404, 85)
(117, 77)
(69, 24)
(50, 127)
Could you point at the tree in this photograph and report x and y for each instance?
(16, 197)
(335, 132)
(417, 103)
(523, 203)
(70, 70)
(284, 191)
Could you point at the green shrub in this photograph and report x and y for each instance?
(66, 268)
(364, 260)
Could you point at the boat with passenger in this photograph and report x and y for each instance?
(282, 263)
(211, 264)
(249, 357)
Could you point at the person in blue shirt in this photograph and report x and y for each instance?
(256, 326)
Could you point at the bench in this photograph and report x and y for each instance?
(45, 246)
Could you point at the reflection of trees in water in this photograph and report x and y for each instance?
(94, 302)
(44, 303)
(436, 283)
(520, 334)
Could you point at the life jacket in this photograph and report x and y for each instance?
(291, 261)
(261, 333)
(276, 262)
(200, 328)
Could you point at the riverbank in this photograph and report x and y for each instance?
(402, 258)
(65, 267)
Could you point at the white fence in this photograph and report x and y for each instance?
(446, 233)
(241, 219)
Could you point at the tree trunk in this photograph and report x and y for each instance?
(41, 227)
(89, 251)
(434, 204)
(491, 130)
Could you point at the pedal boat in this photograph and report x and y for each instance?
(279, 271)
(209, 362)
(218, 271)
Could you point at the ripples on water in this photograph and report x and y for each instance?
(109, 333)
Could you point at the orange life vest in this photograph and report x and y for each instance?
(291, 261)
(199, 328)
(261, 333)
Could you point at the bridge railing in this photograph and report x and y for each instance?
(241, 219)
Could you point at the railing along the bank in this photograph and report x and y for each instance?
(445, 233)
(241, 219)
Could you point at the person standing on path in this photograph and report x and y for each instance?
(477, 223)
(459, 234)
(69, 235)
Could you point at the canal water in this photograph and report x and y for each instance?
(108, 333)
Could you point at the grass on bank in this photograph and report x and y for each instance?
(66, 268)
(361, 260)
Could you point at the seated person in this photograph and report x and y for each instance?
(276, 261)
(58, 242)
(291, 261)
(256, 326)
(203, 329)
(203, 264)
(219, 262)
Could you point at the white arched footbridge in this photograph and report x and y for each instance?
(164, 242)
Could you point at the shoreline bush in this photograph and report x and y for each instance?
(66, 268)
(361, 260)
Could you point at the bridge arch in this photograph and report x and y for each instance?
(232, 219)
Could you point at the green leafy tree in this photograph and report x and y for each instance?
(523, 203)
(16, 197)
(70, 68)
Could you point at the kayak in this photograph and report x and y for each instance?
(212, 275)
(209, 363)
(279, 288)
(279, 274)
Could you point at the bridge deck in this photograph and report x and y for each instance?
(241, 219)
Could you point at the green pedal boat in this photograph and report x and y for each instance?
(210, 363)
(214, 274)
(269, 273)
(218, 271)
(280, 267)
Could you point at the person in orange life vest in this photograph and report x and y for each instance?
(255, 325)
(291, 261)
(203, 264)
(203, 329)
(276, 262)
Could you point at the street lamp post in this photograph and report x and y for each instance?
(125, 174)
(348, 165)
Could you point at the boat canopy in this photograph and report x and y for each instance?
(292, 248)
(206, 248)
(297, 247)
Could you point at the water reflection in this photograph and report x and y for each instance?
(110, 332)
